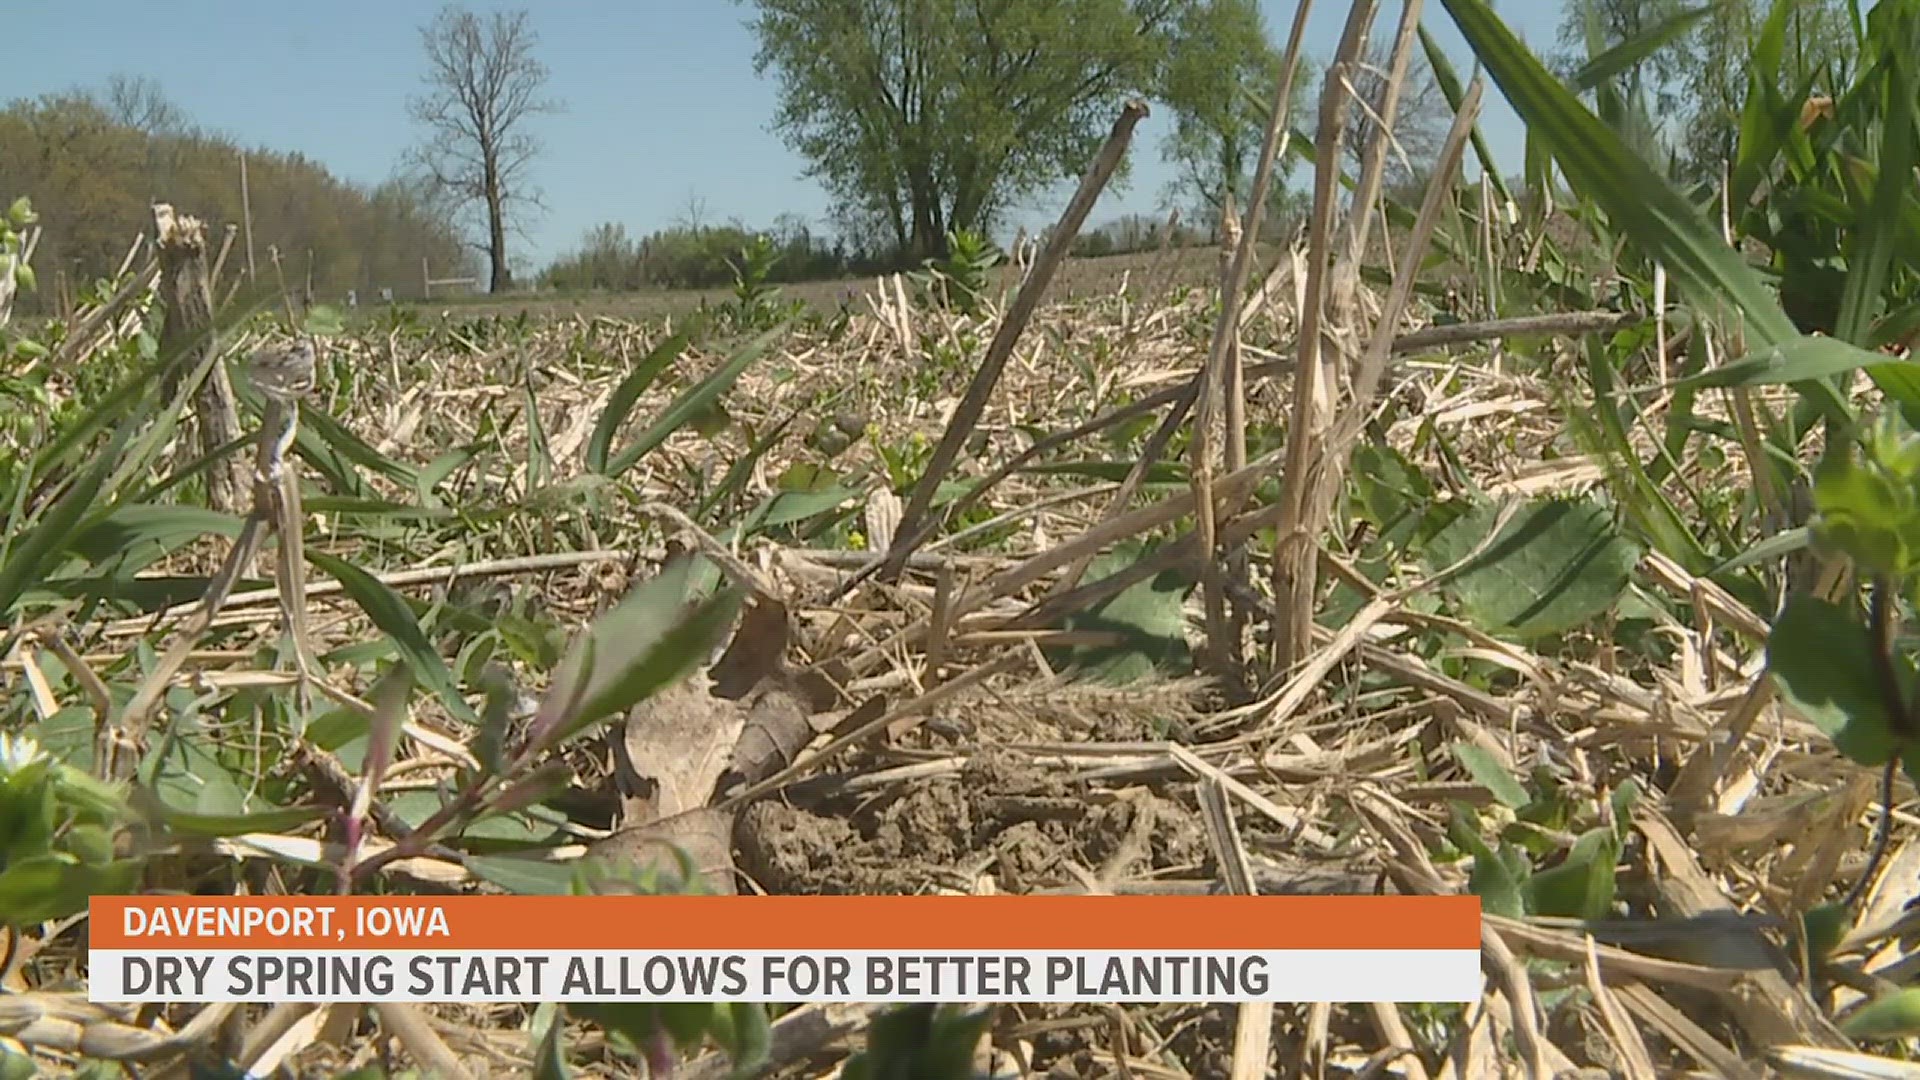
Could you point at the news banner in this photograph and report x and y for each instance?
(785, 948)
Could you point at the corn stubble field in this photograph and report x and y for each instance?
(1243, 573)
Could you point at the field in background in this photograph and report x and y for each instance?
(1559, 557)
(1079, 278)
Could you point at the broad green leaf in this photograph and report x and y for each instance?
(790, 506)
(42, 887)
(1557, 564)
(1149, 616)
(527, 877)
(186, 773)
(163, 528)
(1778, 546)
(1487, 771)
(392, 615)
(1803, 359)
(1820, 657)
(649, 642)
(693, 402)
(1895, 1016)
(1581, 887)
(335, 728)
(1824, 927)
(1492, 879)
(620, 403)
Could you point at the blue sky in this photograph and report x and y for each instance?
(663, 105)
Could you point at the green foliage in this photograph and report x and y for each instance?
(1818, 53)
(932, 117)
(1893, 1016)
(1866, 501)
(1219, 84)
(1523, 871)
(1147, 618)
(92, 171)
(920, 1042)
(960, 279)
(1557, 563)
(57, 836)
(1828, 190)
(13, 244)
(756, 300)
(697, 400)
(1839, 210)
(651, 641)
(696, 257)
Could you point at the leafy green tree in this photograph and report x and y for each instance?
(934, 116)
(1219, 81)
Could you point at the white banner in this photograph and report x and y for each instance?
(323, 975)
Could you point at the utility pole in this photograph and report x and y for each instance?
(246, 215)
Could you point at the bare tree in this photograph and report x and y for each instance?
(1420, 121)
(483, 86)
(138, 102)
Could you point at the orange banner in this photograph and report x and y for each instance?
(1057, 923)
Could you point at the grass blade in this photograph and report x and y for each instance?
(1638, 200)
(395, 619)
(600, 444)
(1870, 263)
(1623, 57)
(28, 561)
(693, 402)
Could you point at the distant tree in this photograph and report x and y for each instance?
(1219, 84)
(1820, 51)
(92, 179)
(605, 260)
(1133, 232)
(938, 115)
(1681, 103)
(484, 87)
(1589, 27)
(138, 102)
(1421, 116)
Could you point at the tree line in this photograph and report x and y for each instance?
(94, 161)
(920, 118)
